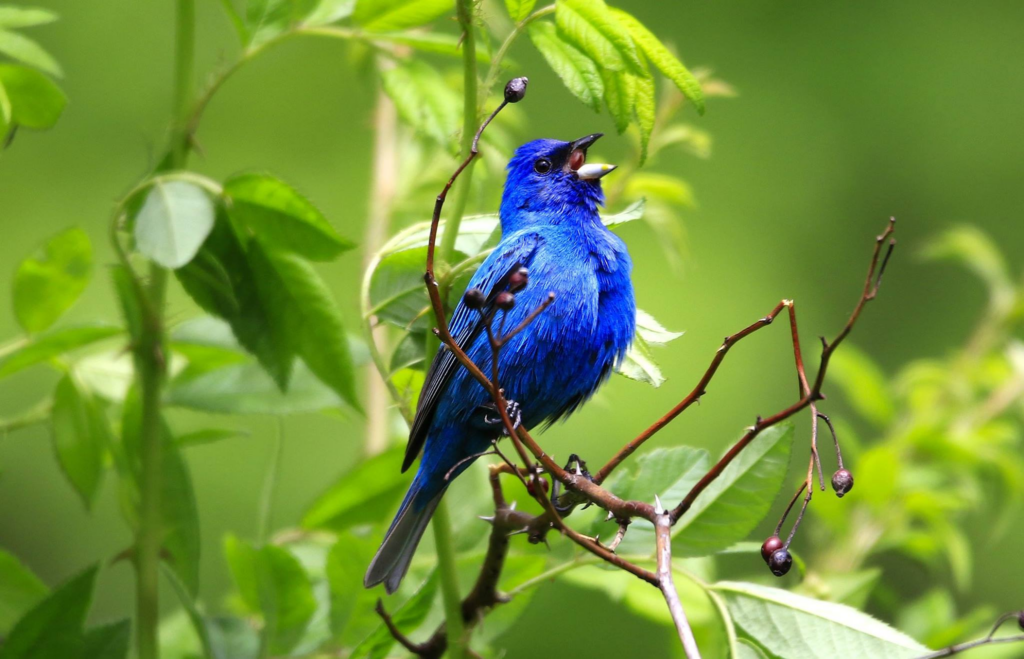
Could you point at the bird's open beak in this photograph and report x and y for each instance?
(590, 172)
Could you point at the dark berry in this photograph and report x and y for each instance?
(1020, 620)
(474, 298)
(515, 90)
(505, 300)
(842, 482)
(518, 280)
(531, 486)
(780, 562)
(770, 546)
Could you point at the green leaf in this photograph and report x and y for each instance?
(668, 473)
(591, 26)
(425, 100)
(663, 187)
(303, 313)
(207, 436)
(274, 585)
(25, 16)
(278, 214)
(519, 9)
(221, 281)
(748, 650)
(44, 347)
(35, 100)
(330, 11)
(407, 617)
(107, 641)
(619, 90)
(237, 22)
(864, 385)
(578, 72)
(352, 616)
(267, 19)
(634, 211)
(384, 15)
(645, 109)
(53, 628)
(27, 51)
(47, 283)
(663, 58)
(366, 493)
(179, 515)
(246, 389)
(974, 249)
(20, 589)
(733, 504)
(427, 42)
(638, 364)
(5, 111)
(790, 625)
(651, 331)
(81, 435)
(220, 378)
(175, 219)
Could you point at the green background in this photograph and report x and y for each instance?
(847, 114)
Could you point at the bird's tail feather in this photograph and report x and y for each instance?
(392, 560)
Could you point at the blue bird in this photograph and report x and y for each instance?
(550, 225)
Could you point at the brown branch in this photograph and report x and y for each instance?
(663, 533)
(691, 398)
(872, 281)
(987, 640)
(396, 633)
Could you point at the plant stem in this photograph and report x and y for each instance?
(266, 510)
(150, 361)
(499, 57)
(454, 626)
(382, 192)
(469, 123)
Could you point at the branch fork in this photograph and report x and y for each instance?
(589, 490)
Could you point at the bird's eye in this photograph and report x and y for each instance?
(542, 166)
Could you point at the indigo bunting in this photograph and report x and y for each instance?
(550, 225)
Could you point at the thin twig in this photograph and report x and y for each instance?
(987, 640)
(869, 292)
(663, 532)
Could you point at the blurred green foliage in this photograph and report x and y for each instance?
(925, 539)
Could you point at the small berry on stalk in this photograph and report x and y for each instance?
(1020, 620)
(518, 280)
(474, 298)
(770, 546)
(842, 482)
(780, 562)
(505, 301)
(515, 90)
(531, 486)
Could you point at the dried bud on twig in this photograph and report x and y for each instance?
(518, 280)
(780, 562)
(515, 90)
(770, 546)
(505, 301)
(474, 298)
(842, 482)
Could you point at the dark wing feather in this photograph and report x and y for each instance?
(465, 326)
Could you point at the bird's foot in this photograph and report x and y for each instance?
(493, 418)
(565, 502)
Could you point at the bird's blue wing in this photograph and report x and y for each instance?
(465, 326)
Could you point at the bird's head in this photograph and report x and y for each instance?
(551, 181)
